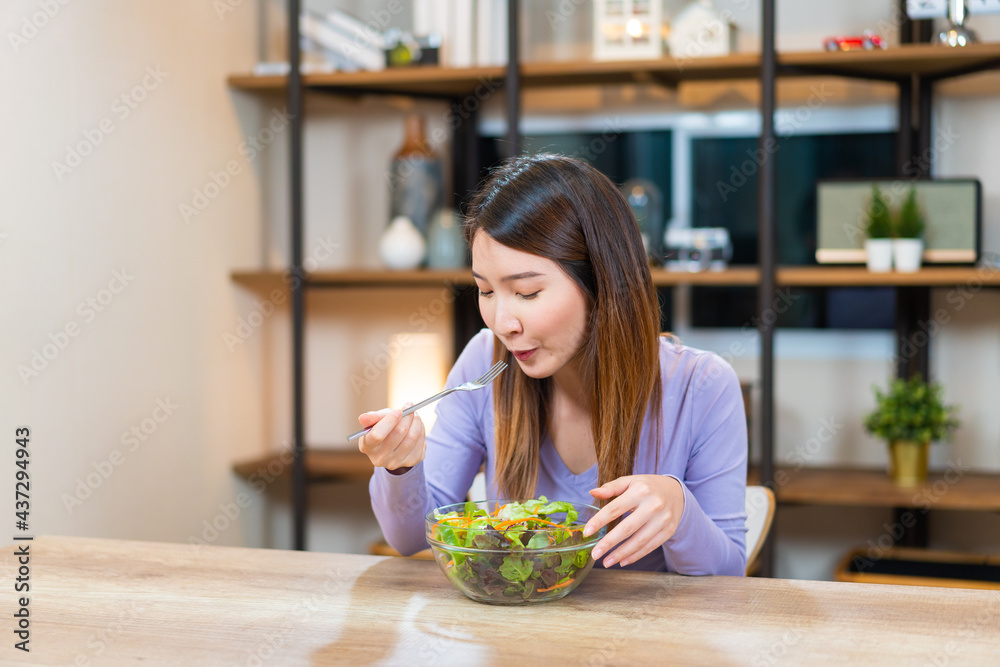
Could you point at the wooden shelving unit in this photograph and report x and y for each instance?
(895, 63)
(788, 276)
(803, 486)
(914, 69)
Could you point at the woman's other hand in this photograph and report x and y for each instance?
(395, 442)
(656, 503)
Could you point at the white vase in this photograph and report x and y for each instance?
(402, 246)
(907, 254)
(878, 255)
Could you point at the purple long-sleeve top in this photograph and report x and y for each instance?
(703, 445)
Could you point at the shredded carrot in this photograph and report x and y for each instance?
(507, 524)
(557, 525)
(552, 588)
(449, 519)
(466, 521)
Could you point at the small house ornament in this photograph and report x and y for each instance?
(699, 30)
(628, 29)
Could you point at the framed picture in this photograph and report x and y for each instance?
(951, 206)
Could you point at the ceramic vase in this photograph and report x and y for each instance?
(416, 177)
(878, 255)
(446, 247)
(402, 246)
(907, 254)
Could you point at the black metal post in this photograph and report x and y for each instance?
(295, 110)
(904, 135)
(466, 163)
(911, 31)
(767, 258)
(905, 23)
(912, 341)
(513, 82)
(923, 31)
(465, 158)
(912, 303)
(925, 91)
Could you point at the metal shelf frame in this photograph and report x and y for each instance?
(914, 139)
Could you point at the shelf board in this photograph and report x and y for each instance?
(733, 276)
(807, 486)
(790, 276)
(668, 71)
(322, 465)
(899, 61)
(267, 280)
(859, 276)
(873, 488)
(359, 278)
(436, 81)
(896, 62)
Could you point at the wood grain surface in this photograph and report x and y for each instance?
(113, 602)
(963, 280)
(899, 61)
(952, 489)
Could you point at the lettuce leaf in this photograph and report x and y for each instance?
(516, 569)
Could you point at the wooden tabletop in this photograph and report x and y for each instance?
(113, 602)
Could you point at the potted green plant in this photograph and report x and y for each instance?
(910, 416)
(878, 245)
(908, 246)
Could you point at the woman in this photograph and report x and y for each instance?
(594, 406)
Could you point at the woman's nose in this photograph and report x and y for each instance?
(508, 320)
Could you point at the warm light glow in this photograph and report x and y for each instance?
(634, 28)
(416, 371)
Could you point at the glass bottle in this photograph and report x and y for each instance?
(416, 178)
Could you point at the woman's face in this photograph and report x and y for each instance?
(530, 304)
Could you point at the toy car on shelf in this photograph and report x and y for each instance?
(867, 42)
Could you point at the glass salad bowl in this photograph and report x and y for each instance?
(513, 551)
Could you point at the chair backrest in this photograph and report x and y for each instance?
(760, 513)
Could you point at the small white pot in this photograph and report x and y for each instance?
(402, 245)
(878, 255)
(907, 254)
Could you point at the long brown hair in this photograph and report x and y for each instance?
(567, 211)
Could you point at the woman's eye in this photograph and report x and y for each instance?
(484, 294)
(530, 296)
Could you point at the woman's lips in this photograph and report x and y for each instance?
(524, 355)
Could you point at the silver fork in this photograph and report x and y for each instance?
(478, 383)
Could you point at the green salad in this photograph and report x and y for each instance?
(519, 551)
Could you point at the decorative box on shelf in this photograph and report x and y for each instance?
(697, 249)
(699, 30)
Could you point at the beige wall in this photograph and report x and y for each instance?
(159, 338)
(163, 335)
